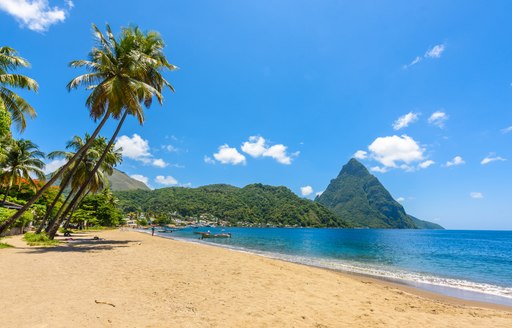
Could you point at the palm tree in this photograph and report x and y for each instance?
(122, 75)
(23, 159)
(126, 73)
(80, 179)
(10, 101)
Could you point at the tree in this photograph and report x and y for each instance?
(23, 159)
(123, 74)
(10, 101)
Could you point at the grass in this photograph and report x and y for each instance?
(4, 245)
(41, 239)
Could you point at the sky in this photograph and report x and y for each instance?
(286, 92)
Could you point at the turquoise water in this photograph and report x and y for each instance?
(468, 264)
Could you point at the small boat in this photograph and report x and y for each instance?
(218, 235)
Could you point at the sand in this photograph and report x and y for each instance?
(131, 279)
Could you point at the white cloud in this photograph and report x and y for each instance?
(134, 147)
(171, 148)
(137, 148)
(159, 163)
(306, 190)
(36, 15)
(476, 195)
(258, 147)
(166, 180)
(438, 119)
(426, 164)
(379, 169)
(53, 165)
(490, 159)
(227, 155)
(360, 154)
(457, 160)
(405, 120)
(318, 194)
(208, 160)
(140, 178)
(506, 130)
(390, 150)
(432, 53)
(436, 51)
(400, 199)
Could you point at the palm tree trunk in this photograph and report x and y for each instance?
(70, 216)
(66, 181)
(7, 191)
(93, 172)
(57, 216)
(25, 207)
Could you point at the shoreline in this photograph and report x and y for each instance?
(130, 279)
(406, 285)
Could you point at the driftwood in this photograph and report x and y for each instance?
(102, 302)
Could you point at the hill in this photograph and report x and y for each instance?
(120, 181)
(255, 204)
(358, 197)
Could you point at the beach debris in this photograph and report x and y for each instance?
(103, 302)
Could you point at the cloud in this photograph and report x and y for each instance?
(36, 15)
(405, 120)
(227, 155)
(476, 195)
(436, 51)
(490, 159)
(257, 147)
(137, 148)
(379, 169)
(360, 154)
(306, 190)
(208, 160)
(438, 119)
(400, 199)
(506, 130)
(427, 163)
(457, 160)
(53, 165)
(389, 151)
(140, 178)
(166, 180)
(319, 193)
(171, 148)
(432, 53)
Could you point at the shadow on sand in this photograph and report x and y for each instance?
(81, 244)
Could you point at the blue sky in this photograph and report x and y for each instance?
(286, 92)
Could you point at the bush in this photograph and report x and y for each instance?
(5, 214)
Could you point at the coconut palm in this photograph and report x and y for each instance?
(10, 101)
(123, 75)
(23, 159)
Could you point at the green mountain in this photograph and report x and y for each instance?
(358, 197)
(255, 204)
(120, 181)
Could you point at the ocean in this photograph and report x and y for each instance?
(473, 265)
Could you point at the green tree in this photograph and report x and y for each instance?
(23, 159)
(123, 75)
(10, 101)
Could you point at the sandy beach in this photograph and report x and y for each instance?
(131, 279)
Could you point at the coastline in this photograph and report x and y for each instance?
(159, 282)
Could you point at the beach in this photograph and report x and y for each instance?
(131, 279)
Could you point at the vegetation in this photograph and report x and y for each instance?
(255, 204)
(4, 245)
(39, 239)
(119, 181)
(359, 197)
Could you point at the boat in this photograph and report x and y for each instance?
(218, 235)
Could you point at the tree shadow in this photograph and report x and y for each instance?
(81, 246)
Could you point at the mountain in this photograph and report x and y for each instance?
(120, 181)
(254, 204)
(358, 197)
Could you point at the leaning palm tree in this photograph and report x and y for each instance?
(140, 56)
(23, 159)
(123, 75)
(81, 176)
(9, 100)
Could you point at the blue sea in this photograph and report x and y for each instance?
(474, 265)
